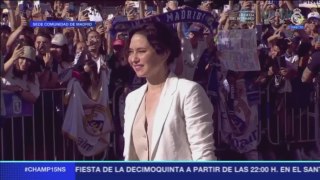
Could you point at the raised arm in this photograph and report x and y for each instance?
(13, 36)
(17, 52)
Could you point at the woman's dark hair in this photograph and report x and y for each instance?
(88, 78)
(65, 56)
(31, 73)
(282, 44)
(161, 37)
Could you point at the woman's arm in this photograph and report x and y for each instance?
(13, 36)
(198, 112)
(290, 5)
(17, 52)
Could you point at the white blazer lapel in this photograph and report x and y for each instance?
(166, 99)
(132, 111)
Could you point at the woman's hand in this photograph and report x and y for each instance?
(36, 13)
(83, 16)
(224, 17)
(65, 10)
(17, 52)
(23, 22)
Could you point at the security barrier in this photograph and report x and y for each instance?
(39, 137)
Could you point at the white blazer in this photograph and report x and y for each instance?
(183, 124)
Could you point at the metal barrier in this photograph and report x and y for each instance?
(40, 137)
(287, 124)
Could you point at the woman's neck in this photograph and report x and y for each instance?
(157, 83)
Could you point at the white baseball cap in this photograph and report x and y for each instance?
(59, 39)
(314, 15)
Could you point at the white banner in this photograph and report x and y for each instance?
(310, 4)
(239, 49)
(88, 122)
(239, 120)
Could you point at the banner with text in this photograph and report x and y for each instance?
(180, 15)
(239, 49)
(162, 170)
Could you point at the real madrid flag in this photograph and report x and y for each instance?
(88, 122)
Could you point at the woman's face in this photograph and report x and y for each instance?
(274, 51)
(144, 59)
(23, 64)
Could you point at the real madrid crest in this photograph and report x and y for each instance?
(297, 18)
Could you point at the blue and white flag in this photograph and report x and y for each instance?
(180, 15)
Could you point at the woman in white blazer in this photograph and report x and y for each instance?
(168, 118)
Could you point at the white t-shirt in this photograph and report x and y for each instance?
(100, 61)
(191, 57)
(32, 87)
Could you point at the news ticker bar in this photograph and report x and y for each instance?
(77, 24)
(167, 170)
